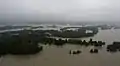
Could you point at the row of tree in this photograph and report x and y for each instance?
(72, 41)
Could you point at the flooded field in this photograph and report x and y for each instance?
(59, 56)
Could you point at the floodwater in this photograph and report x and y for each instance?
(59, 56)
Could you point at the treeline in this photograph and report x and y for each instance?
(72, 41)
(81, 32)
(23, 43)
(12, 27)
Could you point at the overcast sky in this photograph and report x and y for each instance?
(60, 10)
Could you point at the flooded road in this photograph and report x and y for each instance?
(59, 56)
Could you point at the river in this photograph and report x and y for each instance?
(59, 56)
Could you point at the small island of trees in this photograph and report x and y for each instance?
(21, 44)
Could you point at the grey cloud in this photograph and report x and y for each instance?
(60, 10)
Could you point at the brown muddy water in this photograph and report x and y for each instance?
(59, 56)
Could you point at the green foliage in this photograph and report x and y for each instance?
(20, 44)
